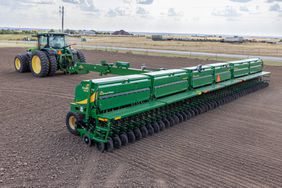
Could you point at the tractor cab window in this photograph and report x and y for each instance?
(57, 41)
(43, 42)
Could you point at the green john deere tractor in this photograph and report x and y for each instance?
(51, 54)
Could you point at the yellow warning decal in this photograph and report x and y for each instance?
(85, 101)
(103, 119)
(118, 117)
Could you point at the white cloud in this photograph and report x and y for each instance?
(228, 11)
(116, 12)
(244, 9)
(145, 2)
(275, 8)
(85, 5)
(171, 12)
(271, 1)
(241, 1)
(141, 11)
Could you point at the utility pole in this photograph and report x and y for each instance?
(62, 11)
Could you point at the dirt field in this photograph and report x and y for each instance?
(236, 145)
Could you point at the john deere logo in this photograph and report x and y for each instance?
(85, 88)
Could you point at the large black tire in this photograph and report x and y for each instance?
(28, 56)
(39, 65)
(72, 120)
(81, 57)
(21, 63)
(52, 64)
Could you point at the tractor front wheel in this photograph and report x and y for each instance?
(21, 63)
(39, 65)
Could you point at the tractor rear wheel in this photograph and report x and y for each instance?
(72, 120)
(81, 56)
(53, 64)
(21, 63)
(39, 65)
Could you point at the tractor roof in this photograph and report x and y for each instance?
(49, 34)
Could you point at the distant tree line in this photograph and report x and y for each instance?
(83, 32)
(9, 31)
(69, 31)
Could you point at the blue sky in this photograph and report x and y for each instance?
(241, 17)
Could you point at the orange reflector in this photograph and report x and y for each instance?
(218, 78)
(59, 52)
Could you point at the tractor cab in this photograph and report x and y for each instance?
(51, 40)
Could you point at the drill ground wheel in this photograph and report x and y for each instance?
(181, 119)
(144, 131)
(176, 119)
(21, 63)
(117, 142)
(53, 64)
(39, 65)
(131, 137)
(100, 146)
(166, 122)
(72, 120)
(188, 114)
(110, 145)
(137, 133)
(184, 115)
(86, 139)
(156, 127)
(150, 129)
(192, 112)
(161, 125)
(171, 121)
(124, 139)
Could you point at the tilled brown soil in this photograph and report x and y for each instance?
(236, 145)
